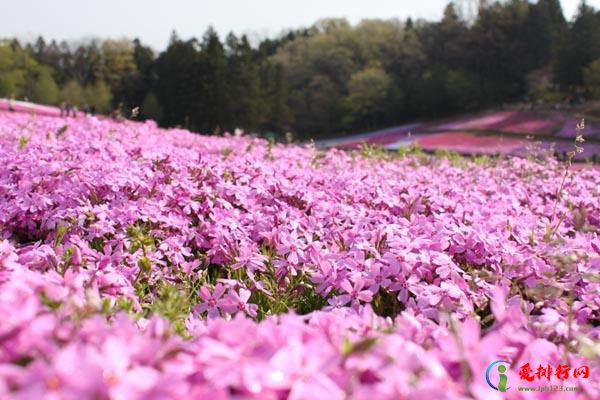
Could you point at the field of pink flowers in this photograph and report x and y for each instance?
(141, 263)
(494, 133)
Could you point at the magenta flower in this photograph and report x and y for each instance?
(211, 302)
(238, 302)
(356, 291)
(405, 286)
(251, 262)
(338, 301)
(289, 246)
(378, 277)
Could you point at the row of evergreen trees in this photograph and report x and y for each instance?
(327, 79)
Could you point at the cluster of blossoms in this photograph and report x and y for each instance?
(137, 262)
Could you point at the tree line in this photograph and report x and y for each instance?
(330, 78)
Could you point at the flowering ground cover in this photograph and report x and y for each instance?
(588, 152)
(141, 263)
(539, 126)
(479, 121)
(503, 132)
(548, 123)
(470, 143)
(381, 137)
(590, 130)
(27, 107)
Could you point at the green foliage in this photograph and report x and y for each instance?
(10, 83)
(225, 152)
(455, 158)
(580, 47)
(151, 107)
(367, 93)
(73, 93)
(368, 150)
(97, 244)
(275, 86)
(306, 299)
(171, 303)
(21, 76)
(591, 78)
(461, 89)
(47, 301)
(61, 231)
(412, 149)
(61, 131)
(140, 237)
(243, 93)
(98, 95)
(387, 304)
(270, 146)
(118, 61)
(45, 90)
(339, 73)
(23, 140)
(482, 160)
(361, 346)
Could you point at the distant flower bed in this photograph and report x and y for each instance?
(470, 143)
(138, 263)
(26, 107)
(485, 121)
(503, 132)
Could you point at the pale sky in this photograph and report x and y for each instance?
(153, 20)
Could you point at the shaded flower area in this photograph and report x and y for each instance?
(142, 263)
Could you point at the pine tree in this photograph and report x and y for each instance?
(581, 47)
(211, 109)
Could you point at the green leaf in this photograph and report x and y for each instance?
(361, 346)
(47, 301)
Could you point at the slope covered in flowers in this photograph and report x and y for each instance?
(142, 263)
